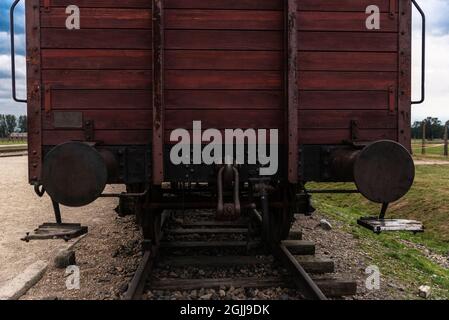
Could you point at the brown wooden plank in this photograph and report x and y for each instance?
(300, 247)
(94, 79)
(174, 140)
(223, 99)
(319, 80)
(99, 18)
(342, 21)
(181, 4)
(225, 4)
(215, 60)
(108, 137)
(96, 18)
(96, 38)
(142, 137)
(175, 99)
(218, 40)
(223, 39)
(101, 99)
(224, 119)
(312, 264)
(190, 100)
(343, 100)
(96, 59)
(99, 3)
(328, 136)
(223, 60)
(348, 41)
(347, 61)
(216, 80)
(34, 90)
(338, 136)
(342, 5)
(121, 119)
(333, 119)
(337, 288)
(224, 19)
(272, 20)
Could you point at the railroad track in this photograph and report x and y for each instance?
(13, 150)
(197, 242)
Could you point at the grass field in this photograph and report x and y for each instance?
(404, 255)
(434, 150)
(8, 142)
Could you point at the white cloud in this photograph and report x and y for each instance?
(7, 105)
(437, 78)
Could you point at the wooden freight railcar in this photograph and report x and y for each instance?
(104, 99)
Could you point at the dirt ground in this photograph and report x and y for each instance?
(430, 162)
(350, 261)
(107, 264)
(109, 254)
(21, 211)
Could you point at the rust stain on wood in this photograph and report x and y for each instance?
(404, 74)
(34, 90)
(291, 87)
(158, 92)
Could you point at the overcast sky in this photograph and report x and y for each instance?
(436, 105)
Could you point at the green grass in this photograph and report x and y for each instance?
(8, 142)
(434, 150)
(395, 253)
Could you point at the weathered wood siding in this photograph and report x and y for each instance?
(224, 65)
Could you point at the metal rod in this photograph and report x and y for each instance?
(333, 191)
(191, 205)
(124, 195)
(57, 211)
(383, 211)
(257, 215)
(423, 55)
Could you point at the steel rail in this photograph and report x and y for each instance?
(137, 285)
(301, 278)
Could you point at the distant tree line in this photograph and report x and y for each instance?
(434, 129)
(9, 124)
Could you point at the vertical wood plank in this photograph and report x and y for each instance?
(34, 90)
(158, 92)
(291, 88)
(405, 73)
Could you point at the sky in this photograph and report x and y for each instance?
(437, 84)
